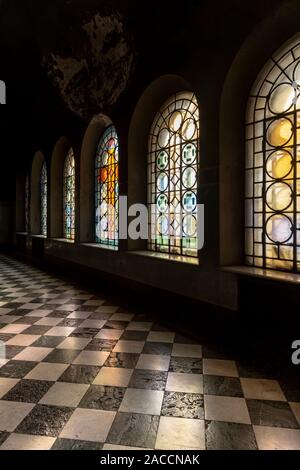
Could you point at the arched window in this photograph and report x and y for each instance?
(44, 199)
(107, 189)
(173, 161)
(272, 164)
(69, 196)
(27, 204)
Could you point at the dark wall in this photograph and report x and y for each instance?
(197, 40)
(164, 36)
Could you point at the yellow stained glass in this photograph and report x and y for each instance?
(173, 176)
(280, 133)
(107, 190)
(69, 196)
(273, 172)
(283, 166)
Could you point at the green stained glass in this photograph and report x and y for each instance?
(44, 199)
(107, 190)
(173, 161)
(69, 196)
(27, 204)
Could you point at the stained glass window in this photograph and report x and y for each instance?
(107, 189)
(272, 164)
(44, 199)
(173, 176)
(69, 196)
(27, 204)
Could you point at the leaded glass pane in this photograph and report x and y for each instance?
(27, 204)
(107, 190)
(173, 161)
(272, 156)
(44, 199)
(69, 196)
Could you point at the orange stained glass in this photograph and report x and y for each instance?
(107, 189)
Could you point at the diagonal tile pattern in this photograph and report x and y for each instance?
(81, 373)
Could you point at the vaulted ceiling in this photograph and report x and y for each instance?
(65, 60)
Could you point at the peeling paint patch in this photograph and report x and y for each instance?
(93, 78)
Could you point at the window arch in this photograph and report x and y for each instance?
(69, 196)
(173, 161)
(107, 189)
(44, 199)
(27, 204)
(272, 164)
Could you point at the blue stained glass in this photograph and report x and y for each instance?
(173, 161)
(107, 190)
(44, 199)
(69, 196)
(27, 205)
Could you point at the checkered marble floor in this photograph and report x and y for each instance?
(81, 373)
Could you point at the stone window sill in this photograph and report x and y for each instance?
(39, 236)
(167, 257)
(272, 275)
(98, 246)
(64, 240)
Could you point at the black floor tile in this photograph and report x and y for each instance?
(3, 437)
(183, 405)
(291, 391)
(159, 327)
(99, 397)
(48, 341)
(163, 349)
(107, 303)
(148, 379)
(85, 333)
(80, 374)
(211, 353)
(37, 330)
(129, 335)
(12, 305)
(70, 322)
(125, 360)
(229, 436)
(88, 308)
(69, 444)
(62, 356)
(143, 317)
(222, 386)
(59, 314)
(116, 325)
(101, 345)
(271, 413)
(26, 321)
(4, 337)
(98, 315)
(45, 421)
(134, 430)
(49, 307)
(12, 351)
(20, 312)
(249, 370)
(186, 365)
(17, 369)
(28, 391)
(182, 339)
